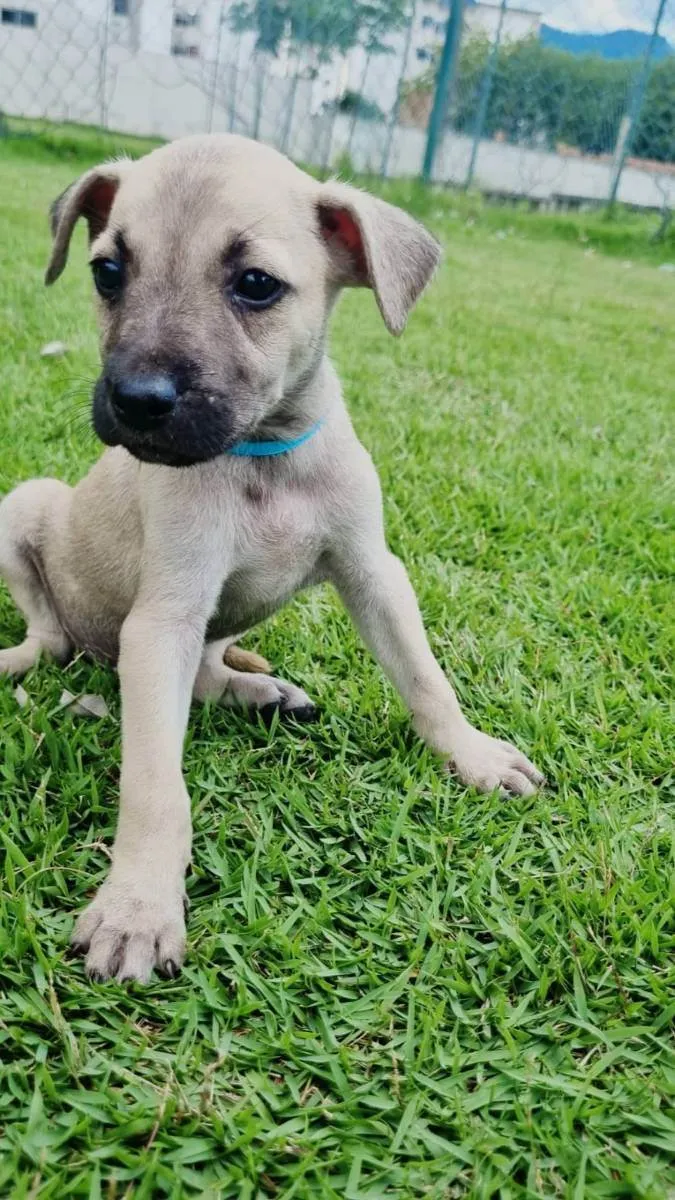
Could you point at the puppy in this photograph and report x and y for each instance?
(234, 479)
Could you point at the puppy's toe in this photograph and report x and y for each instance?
(85, 927)
(517, 784)
(137, 959)
(105, 954)
(18, 660)
(254, 692)
(170, 952)
(295, 703)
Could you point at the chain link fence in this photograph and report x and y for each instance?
(504, 96)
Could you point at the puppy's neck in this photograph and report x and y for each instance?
(309, 401)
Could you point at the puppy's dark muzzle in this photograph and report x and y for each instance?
(161, 415)
(142, 402)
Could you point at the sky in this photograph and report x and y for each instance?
(600, 16)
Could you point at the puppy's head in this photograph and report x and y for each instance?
(216, 263)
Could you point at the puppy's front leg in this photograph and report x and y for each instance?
(136, 921)
(375, 588)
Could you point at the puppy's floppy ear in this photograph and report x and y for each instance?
(91, 197)
(373, 244)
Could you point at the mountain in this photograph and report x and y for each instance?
(620, 43)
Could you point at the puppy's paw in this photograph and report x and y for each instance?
(266, 694)
(18, 660)
(487, 764)
(128, 930)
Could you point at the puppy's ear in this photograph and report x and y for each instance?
(372, 244)
(90, 197)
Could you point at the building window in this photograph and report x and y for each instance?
(423, 55)
(18, 16)
(120, 8)
(185, 19)
(185, 51)
(428, 22)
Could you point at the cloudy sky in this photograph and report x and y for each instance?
(599, 16)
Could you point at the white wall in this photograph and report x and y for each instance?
(154, 26)
(518, 23)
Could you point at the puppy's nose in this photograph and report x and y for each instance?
(143, 401)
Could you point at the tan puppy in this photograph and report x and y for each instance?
(217, 263)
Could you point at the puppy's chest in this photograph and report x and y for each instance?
(279, 540)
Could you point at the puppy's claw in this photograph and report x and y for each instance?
(516, 783)
(85, 927)
(523, 764)
(169, 969)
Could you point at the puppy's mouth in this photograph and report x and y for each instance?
(197, 428)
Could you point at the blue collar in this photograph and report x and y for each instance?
(269, 449)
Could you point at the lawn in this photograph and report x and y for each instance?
(394, 987)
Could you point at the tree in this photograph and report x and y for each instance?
(655, 133)
(542, 96)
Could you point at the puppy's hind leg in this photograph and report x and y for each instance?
(250, 689)
(24, 517)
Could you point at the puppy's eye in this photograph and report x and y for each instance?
(108, 277)
(257, 289)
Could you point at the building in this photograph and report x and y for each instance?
(412, 50)
(194, 28)
(430, 19)
(82, 35)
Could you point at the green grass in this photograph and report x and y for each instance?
(625, 234)
(394, 987)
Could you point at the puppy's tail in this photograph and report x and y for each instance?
(246, 660)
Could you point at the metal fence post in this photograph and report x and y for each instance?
(444, 80)
(627, 130)
(485, 93)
